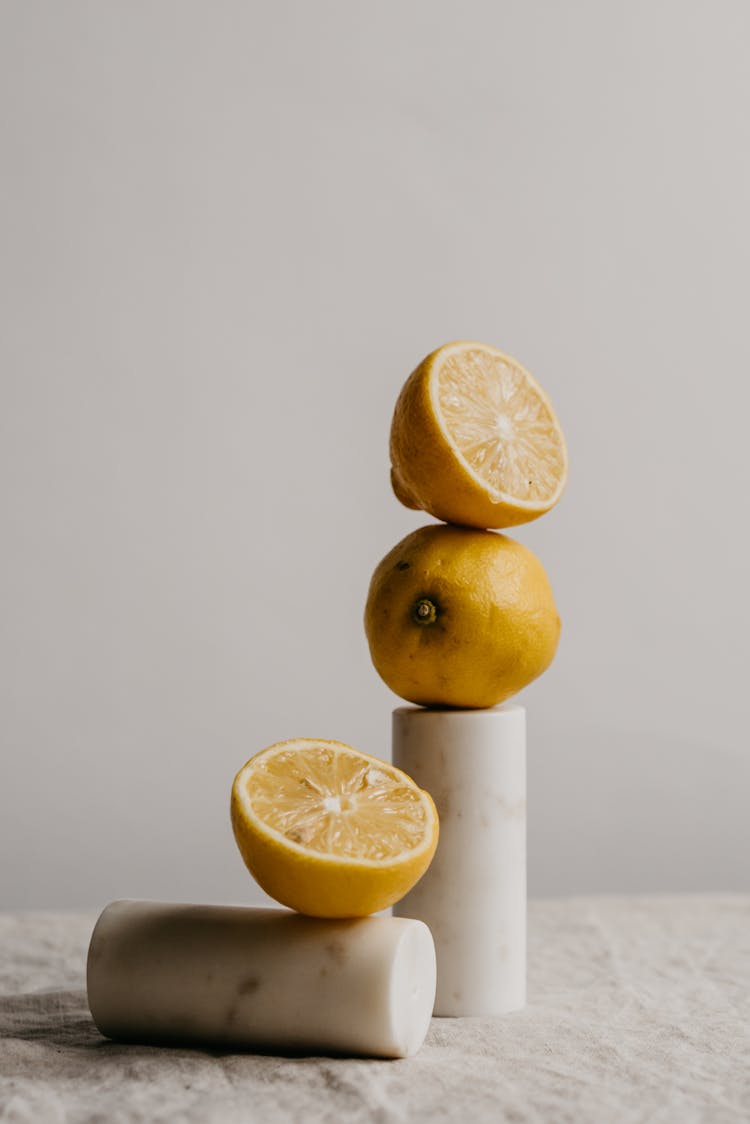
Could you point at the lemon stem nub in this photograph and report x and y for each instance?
(424, 611)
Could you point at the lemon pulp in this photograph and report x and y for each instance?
(503, 429)
(337, 804)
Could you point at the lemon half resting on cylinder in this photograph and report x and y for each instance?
(330, 831)
(459, 617)
(475, 440)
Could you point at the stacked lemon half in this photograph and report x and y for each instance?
(475, 440)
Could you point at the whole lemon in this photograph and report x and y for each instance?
(459, 617)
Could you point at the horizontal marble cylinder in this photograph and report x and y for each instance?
(269, 979)
(473, 897)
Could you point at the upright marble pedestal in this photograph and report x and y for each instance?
(473, 897)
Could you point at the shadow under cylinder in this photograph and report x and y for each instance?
(473, 896)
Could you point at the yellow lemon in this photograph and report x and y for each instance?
(329, 831)
(459, 617)
(474, 440)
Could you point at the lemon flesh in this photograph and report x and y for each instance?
(475, 439)
(335, 803)
(330, 831)
(500, 424)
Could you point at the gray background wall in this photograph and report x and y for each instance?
(227, 233)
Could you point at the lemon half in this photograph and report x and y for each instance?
(330, 831)
(475, 440)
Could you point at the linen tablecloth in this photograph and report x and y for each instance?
(639, 1010)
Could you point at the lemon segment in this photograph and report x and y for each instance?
(475, 440)
(329, 831)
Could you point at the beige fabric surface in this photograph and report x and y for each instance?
(639, 1010)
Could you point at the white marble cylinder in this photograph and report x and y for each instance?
(473, 896)
(264, 978)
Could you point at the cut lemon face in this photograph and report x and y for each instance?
(329, 831)
(475, 440)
